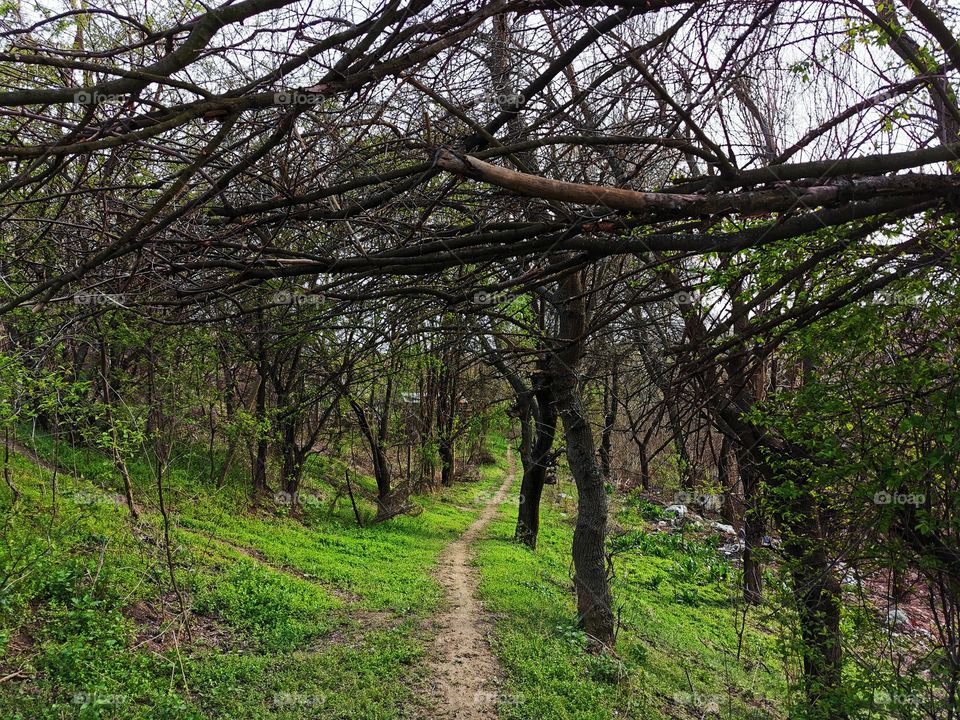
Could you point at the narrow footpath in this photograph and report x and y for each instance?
(463, 669)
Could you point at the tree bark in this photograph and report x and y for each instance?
(609, 420)
(293, 458)
(387, 502)
(447, 460)
(537, 415)
(684, 205)
(260, 461)
(728, 480)
(589, 558)
(644, 467)
(537, 463)
(446, 418)
(817, 593)
(753, 532)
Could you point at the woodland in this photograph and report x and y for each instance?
(478, 359)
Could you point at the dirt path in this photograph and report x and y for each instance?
(21, 449)
(463, 670)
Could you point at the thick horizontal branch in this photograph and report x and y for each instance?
(288, 204)
(834, 167)
(687, 205)
(547, 189)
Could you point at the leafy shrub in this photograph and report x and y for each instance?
(645, 509)
(572, 634)
(606, 669)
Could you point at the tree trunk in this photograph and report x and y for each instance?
(753, 531)
(729, 482)
(817, 591)
(818, 605)
(447, 413)
(537, 460)
(387, 502)
(381, 472)
(447, 467)
(292, 460)
(589, 558)
(609, 420)
(260, 461)
(528, 517)
(644, 468)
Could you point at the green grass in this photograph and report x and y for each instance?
(677, 642)
(314, 617)
(294, 617)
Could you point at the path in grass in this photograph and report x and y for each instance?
(463, 669)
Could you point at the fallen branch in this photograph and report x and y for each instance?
(779, 199)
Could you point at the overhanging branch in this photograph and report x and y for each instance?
(784, 198)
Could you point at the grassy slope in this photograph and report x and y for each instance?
(676, 645)
(321, 619)
(294, 619)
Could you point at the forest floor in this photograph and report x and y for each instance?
(307, 616)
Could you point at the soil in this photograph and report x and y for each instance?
(465, 674)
